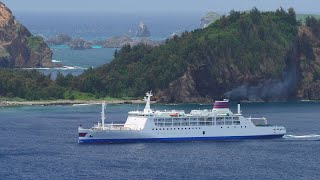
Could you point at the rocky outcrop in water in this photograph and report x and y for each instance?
(116, 42)
(18, 47)
(143, 31)
(79, 44)
(120, 41)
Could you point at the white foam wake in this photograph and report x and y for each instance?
(60, 68)
(55, 61)
(303, 137)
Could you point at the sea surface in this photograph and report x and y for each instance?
(99, 26)
(40, 142)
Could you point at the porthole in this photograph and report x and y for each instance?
(221, 126)
(156, 129)
(178, 128)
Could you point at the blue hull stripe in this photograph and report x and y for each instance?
(221, 138)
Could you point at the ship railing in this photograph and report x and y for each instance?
(111, 127)
(258, 121)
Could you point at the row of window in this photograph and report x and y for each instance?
(175, 128)
(196, 119)
(169, 124)
(187, 128)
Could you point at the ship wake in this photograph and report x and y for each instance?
(312, 137)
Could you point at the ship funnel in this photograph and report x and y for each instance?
(221, 104)
(239, 110)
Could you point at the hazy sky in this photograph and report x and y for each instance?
(302, 6)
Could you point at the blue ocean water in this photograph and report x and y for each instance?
(40, 142)
(96, 26)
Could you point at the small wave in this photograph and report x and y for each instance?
(60, 68)
(85, 104)
(55, 61)
(81, 104)
(38, 68)
(303, 137)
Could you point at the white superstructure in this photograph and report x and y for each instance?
(218, 123)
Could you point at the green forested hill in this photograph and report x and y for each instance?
(239, 48)
(243, 56)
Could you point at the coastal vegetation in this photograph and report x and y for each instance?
(252, 52)
(239, 48)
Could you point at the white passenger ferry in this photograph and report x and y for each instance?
(148, 125)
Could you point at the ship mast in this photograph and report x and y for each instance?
(103, 116)
(147, 108)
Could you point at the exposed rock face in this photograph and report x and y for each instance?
(181, 90)
(143, 31)
(79, 44)
(116, 42)
(209, 18)
(59, 39)
(18, 47)
(309, 66)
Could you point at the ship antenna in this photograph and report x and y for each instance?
(103, 116)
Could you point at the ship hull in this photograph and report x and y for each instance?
(179, 139)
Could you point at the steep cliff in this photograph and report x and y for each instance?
(18, 47)
(309, 64)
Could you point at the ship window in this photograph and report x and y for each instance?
(152, 129)
(203, 132)
(185, 128)
(221, 126)
(178, 128)
(245, 126)
(174, 128)
(156, 129)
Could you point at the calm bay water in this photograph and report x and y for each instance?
(40, 142)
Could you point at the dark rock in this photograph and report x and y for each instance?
(18, 47)
(143, 31)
